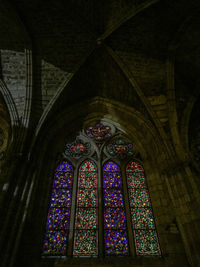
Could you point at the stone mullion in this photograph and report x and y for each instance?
(128, 212)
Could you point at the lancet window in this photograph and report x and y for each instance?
(99, 169)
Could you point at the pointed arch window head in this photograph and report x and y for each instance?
(87, 214)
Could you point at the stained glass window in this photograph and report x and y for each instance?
(75, 232)
(146, 240)
(115, 231)
(86, 235)
(99, 132)
(119, 148)
(77, 149)
(57, 227)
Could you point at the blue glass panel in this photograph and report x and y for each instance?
(114, 218)
(65, 166)
(63, 179)
(58, 218)
(112, 179)
(55, 243)
(113, 198)
(111, 167)
(115, 233)
(61, 198)
(116, 242)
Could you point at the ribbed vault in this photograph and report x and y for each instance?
(134, 63)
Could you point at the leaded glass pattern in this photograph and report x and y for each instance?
(120, 148)
(86, 218)
(85, 221)
(115, 231)
(146, 240)
(57, 227)
(77, 149)
(99, 132)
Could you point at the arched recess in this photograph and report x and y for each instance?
(62, 129)
(85, 234)
(101, 108)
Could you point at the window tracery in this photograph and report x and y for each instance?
(101, 184)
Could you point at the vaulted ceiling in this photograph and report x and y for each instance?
(144, 54)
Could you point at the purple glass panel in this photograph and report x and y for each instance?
(112, 179)
(55, 243)
(113, 198)
(111, 167)
(58, 218)
(115, 233)
(114, 218)
(116, 242)
(63, 179)
(61, 198)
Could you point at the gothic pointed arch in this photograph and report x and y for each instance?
(95, 204)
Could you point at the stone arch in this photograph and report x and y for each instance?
(50, 142)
